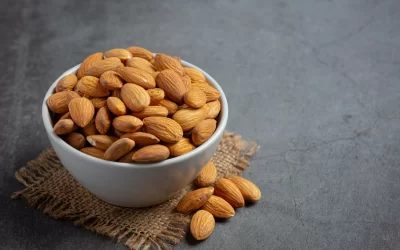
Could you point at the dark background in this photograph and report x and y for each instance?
(315, 82)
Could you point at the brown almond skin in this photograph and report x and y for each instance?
(65, 116)
(189, 118)
(118, 149)
(140, 52)
(249, 190)
(203, 131)
(64, 127)
(169, 81)
(181, 147)
(128, 157)
(186, 81)
(81, 110)
(92, 151)
(213, 108)
(142, 139)
(163, 62)
(194, 200)
(117, 133)
(71, 95)
(90, 129)
(202, 225)
(211, 92)
(116, 106)
(127, 123)
(75, 140)
(169, 105)
(122, 54)
(111, 80)
(88, 62)
(156, 95)
(99, 102)
(163, 128)
(219, 207)
(140, 63)
(135, 97)
(99, 67)
(228, 191)
(195, 98)
(151, 154)
(151, 111)
(207, 175)
(102, 142)
(137, 76)
(58, 102)
(68, 82)
(91, 86)
(195, 74)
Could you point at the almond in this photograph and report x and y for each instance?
(207, 175)
(140, 63)
(169, 105)
(71, 95)
(195, 98)
(142, 139)
(151, 111)
(213, 108)
(163, 61)
(127, 123)
(155, 74)
(90, 129)
(169, 81)
(91, 86)
(99, 102)
(65, 116)
(248, 189)
(156, 95)
(116, 93)
(64, 127)
(137, 76)
(195, 74)
(189, 118)
(102, 142)
(98, 68)
(118, 149)
(117, 133)
(81, 110)
(122, 54)
(128, 157)
(211, 93)
(228, 191)
(92, 151)
(151, 154)
(194, 200)
(103, 121)
(116, 106)
(111, 80)
(163, 128)
(202, 225)
(58, 102)
(203, 131)
(219, 207)
(135, 97)
(140, 52)
(75, 140)
(68, 82)
(187, 82)
(88, 62)
(181, 147)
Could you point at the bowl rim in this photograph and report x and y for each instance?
(172, 161)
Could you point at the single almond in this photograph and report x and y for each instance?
(91, 86)
(71, 95)
(116, 106)
(88, 62)
(211, 92)
(189, 118)
(142, 139)
(202, 225)
(128, 157)
(203, 131)
(156, 95)
(140, 63)
(155, 74)
(99, 102)
(169, 105)
(195, 74)
(127, 123)
(92, 151)
(187, 82)
(111, 80)
(75, 140)
(228, 191)
(90, 129)
(58, 102)
(140, 52)
(183, 146)
(118, 149)
(219, 207)
(163, 61)
(67, 82)
(65, 116)
(137, 76)
(213, 108)
(135, 97)
(163, 128)
(151, 154)
(98, 68)
(207, 175)
(64, 127)
(194, 200)
(81, 110)
(117, 133)
(151, 111)
(169, 81)
(248, 189)
(102, 142)
(195, 98)
(122, 54)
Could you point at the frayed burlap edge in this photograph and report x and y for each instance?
(47, 163)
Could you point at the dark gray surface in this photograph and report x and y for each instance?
(315, 82)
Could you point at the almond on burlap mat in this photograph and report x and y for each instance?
(50, 188)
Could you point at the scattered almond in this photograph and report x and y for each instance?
(248, 189)
(118, 149)
(195, 98)
(151, 111)
(228, 191)
(219, 207)
(207, 175)
(116, 106)
(92, 151)
(151, 154)
(58, 102)
(169, 81)
(163, 128)
(111, 80)
(202, 225)
(203, 131)
(75, 140)
(194, 200)
(102, 142)
(183, 146)
(68, 82)
(88, 62)
(81, 111)
(64, 127)
(137, 76)
(127, 123)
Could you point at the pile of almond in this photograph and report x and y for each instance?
(217, 200)
(130, 106)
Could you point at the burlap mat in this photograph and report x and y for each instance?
(50, 188)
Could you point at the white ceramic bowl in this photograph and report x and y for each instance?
(135, 185)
